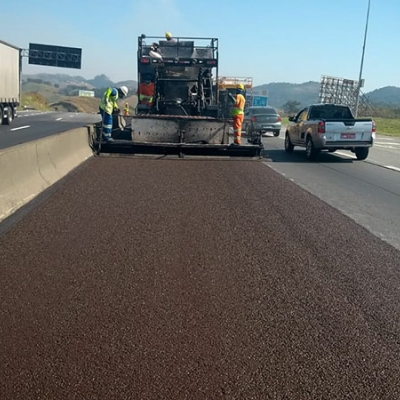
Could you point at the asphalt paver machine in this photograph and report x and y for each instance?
(184, 115)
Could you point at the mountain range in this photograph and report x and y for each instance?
(278, 92)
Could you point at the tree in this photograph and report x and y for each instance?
(291, 107)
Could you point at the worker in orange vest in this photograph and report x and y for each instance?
(238, 112)
(126, 109)
(146, 92)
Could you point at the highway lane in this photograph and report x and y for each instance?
(386, 151)
(366, 191)
(174, 279)
(31, 125)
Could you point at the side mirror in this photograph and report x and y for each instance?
(291, 118)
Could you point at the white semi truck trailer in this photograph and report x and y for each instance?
(10, 82)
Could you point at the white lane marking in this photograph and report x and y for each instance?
(387, 137)
(367, 161)
(392, 168)
(59, 119)
(386, 147)
(21, 127)
(387, 143)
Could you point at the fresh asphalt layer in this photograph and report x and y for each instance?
(174, 279)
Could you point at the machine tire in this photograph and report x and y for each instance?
(289, 147)
(249, 131)
(362, 153)
(276, 133)
(311, 151)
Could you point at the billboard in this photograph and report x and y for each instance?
(55, 56)
(86, 93)
(260, 101)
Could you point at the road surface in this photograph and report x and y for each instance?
(32, 125)
(173, 279)
(367, 191)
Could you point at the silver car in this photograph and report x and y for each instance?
(261, 120)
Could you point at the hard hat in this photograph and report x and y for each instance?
(240, 86)
(168, 35)
(124, 90)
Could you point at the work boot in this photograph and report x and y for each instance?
(107, 139)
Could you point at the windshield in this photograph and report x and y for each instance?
(331, 112)
(263, 110)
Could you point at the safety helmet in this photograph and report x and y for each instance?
(240, 86)
(168, 35)
(124, 90)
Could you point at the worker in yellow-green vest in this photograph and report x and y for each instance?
(238, 112)
(107, 106)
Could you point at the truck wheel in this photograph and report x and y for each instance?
(276, 133)
(1, 115)
(362, 153)
(9, 118)
(288, 144)
(311, 151)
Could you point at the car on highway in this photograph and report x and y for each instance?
(260, 120)
(329, 127)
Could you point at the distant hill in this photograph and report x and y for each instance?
(308, 93)
(64, 80)
(388, 95)
(278, 92)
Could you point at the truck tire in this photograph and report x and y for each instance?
(362, 153)
(288, 144)
(276, 133)
(311, 151)
(1, 115)
(9, 118)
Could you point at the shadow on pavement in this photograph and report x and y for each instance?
(299, 156)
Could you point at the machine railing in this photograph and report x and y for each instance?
(203, 46)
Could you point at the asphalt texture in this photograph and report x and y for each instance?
(170, 279)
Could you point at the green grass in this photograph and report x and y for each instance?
(384, 126)
(387, 126)
(50, 93)
(35, 100)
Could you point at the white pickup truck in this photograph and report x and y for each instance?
(329, 127)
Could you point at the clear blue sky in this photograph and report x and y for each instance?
(279, 41)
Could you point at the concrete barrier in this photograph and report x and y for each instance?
(28, 169)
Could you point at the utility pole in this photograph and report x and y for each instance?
(362, 62)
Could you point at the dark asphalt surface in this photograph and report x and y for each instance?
(156, 279)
